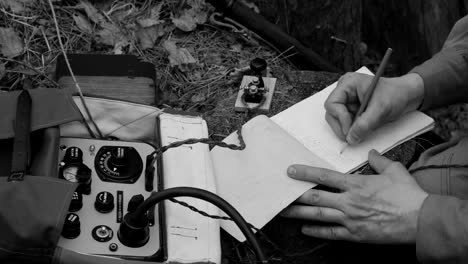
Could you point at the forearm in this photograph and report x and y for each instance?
(445, 76)
(442, 235)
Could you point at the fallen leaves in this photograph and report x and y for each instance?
(196, 14)
(147, 36)
(179, 57)
(11, 44)
(92, 12)
(16, 6)
(190, 18)
(123, 24)
(152, 18)
(107, 32)
(83, 23)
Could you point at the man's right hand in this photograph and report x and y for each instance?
(391, 98)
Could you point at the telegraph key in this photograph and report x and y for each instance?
(113, 180)
(256, 92)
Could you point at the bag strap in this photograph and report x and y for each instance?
(20, 156)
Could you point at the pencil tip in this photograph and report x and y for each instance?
(343, 149)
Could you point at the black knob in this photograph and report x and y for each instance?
(133, 232)
(134, 202)
(258, 66)
(72, 226)
(73, 155)
(113, 247)
(118, 157)
(104, 202)
(76, 202)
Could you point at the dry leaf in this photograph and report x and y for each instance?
(119, 46)
(82, 23)
(236, 47)
(11, 44)
(198, 98)
(180, 57)
(16, 6)
(153, 18)
(148, 36)
(92, 12)
(189, 19)
(111, 35)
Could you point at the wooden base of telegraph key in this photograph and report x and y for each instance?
(265, 107)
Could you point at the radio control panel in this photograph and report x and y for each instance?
(113, 179)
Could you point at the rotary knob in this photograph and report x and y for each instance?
(118, 157)
(76, 202)
(104, 202)
(72, 226)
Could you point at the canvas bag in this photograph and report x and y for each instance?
(32, 206)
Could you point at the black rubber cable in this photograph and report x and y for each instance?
(212, 198)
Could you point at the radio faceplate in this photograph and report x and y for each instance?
(108, 199)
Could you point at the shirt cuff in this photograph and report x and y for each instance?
(429, 72)
(444, 78)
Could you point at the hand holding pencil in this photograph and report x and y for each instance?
(361, 103)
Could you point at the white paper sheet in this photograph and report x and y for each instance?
(254, 180)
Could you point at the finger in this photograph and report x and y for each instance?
(331, 233)
(342, 114)
(344, 93)
(335, 126)
(321, 198)
(314, 213)
(365, 123)
(322, 176)
(380, 163)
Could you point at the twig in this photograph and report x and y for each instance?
(45, 38)
(71, 72)
(32, 68)
(18, 16)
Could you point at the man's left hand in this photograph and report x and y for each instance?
(380, 208)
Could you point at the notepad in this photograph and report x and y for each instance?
(254, 180)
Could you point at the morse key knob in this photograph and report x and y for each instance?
(76, 202)
(258, 66)
(104, 202)
(72, 226)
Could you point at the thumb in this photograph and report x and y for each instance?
(378, 162)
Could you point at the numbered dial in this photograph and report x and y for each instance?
(118, 164)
